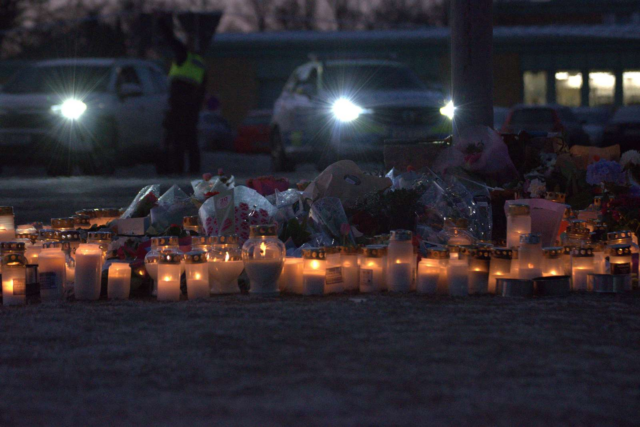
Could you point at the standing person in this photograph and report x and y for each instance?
(187, 79)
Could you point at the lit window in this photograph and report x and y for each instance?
(535, 87)
(631, 87)
(568, 86)
(602, 87)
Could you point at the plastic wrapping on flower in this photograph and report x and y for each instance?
(326, 217)
(143, 202)
(172, 207)
(406, 180)
(216, 183)
(250, 208)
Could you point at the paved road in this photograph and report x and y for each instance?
(37, 197)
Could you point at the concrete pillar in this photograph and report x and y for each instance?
(551, 86)
(584, 91)
(618, 98)
(472, 63)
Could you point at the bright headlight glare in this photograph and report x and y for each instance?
(71, 109)
(345, 110)
(448, 110)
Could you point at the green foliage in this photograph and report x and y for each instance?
(296, 231)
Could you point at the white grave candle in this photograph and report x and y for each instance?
(428, 276)
(88, 272)
(291, 278)
(52, 271)
(119, 281)
(169, 277)
(197, 274)
(13, 279)
(458, 276)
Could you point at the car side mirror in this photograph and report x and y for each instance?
(127, 90)
(308, 90)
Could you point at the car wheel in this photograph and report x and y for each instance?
(102, 161)
(279, 161)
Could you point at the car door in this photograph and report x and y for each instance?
(155, 100)
(131, 111)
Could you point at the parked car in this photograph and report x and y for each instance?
(254, 132)
(499, 116)
(594, 120)
(89, 112)
(624, 129)
(214, 132)
(544, 119)
(348, 108)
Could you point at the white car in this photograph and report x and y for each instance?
(348, 108)
(94, 113)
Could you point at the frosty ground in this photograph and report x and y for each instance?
(341, 360)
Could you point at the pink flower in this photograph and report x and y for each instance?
(207, 176)
(345, 229)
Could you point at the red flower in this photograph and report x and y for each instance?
(596, 158)
(411, 169)
(211, 194)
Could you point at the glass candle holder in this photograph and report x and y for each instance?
(401, 261)
(89, 260)
(151, 260)
(620, 262)
(314, 271)
(225, 264)
(372, 269)
(582, 265)
(456, 232)
(91, 213)
(350, 268)
(170, 244)
(62, 224)
(197, 274)
(71, 240)
(32, 253)
(52, 271)
(7, 224)
(14, 284)
(458, 277)
(107, 215)
(530, 256)
(577, 234)
(383, 251)
(552, 263)
(500, 266)
(169, 276)
(479, 266)
(599, 257)
(191, 224)
(334, 280)
(431, 269)
(119, 281)
(291, 278)
(518, 223)
(466, 252)
(201, 243)
(102, 239)
(626, 237)
(263, 255)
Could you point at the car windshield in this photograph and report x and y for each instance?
(59, 79)
(371, 77)
(532, 116)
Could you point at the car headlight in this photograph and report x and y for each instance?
(345, 110)
(448, 110)
(70, 109)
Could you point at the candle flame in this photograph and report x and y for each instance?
(315, 264)
(346, 264)
(166, 278)
(226, 257)
(553, 273)
(397, 261)
(263, 249)
(197, 276)
(371, 264)
(531, 265)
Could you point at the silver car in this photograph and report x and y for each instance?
(93, 113)
(348, 108)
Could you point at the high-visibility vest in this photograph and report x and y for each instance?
(192, 70)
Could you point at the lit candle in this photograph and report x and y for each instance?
(350, 268)
(263, 256)
(371, 270)
(479, 266)
(400, 267)
(500, 266)
(458, 276)
(52, 271)
(620, 262)
(197, 275)
(518, 223)
(552, 264)
(32, 252)
(334, 279)
(88, 272)
(169, 276)
(582, 261)
(530, 256)
(14, 279)
(291, 278)
(428, 275)
(314, 271)
(119, 281)
(226, 273)
(7, 224)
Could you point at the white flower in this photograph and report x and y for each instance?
(537, 188)
(630, 158)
